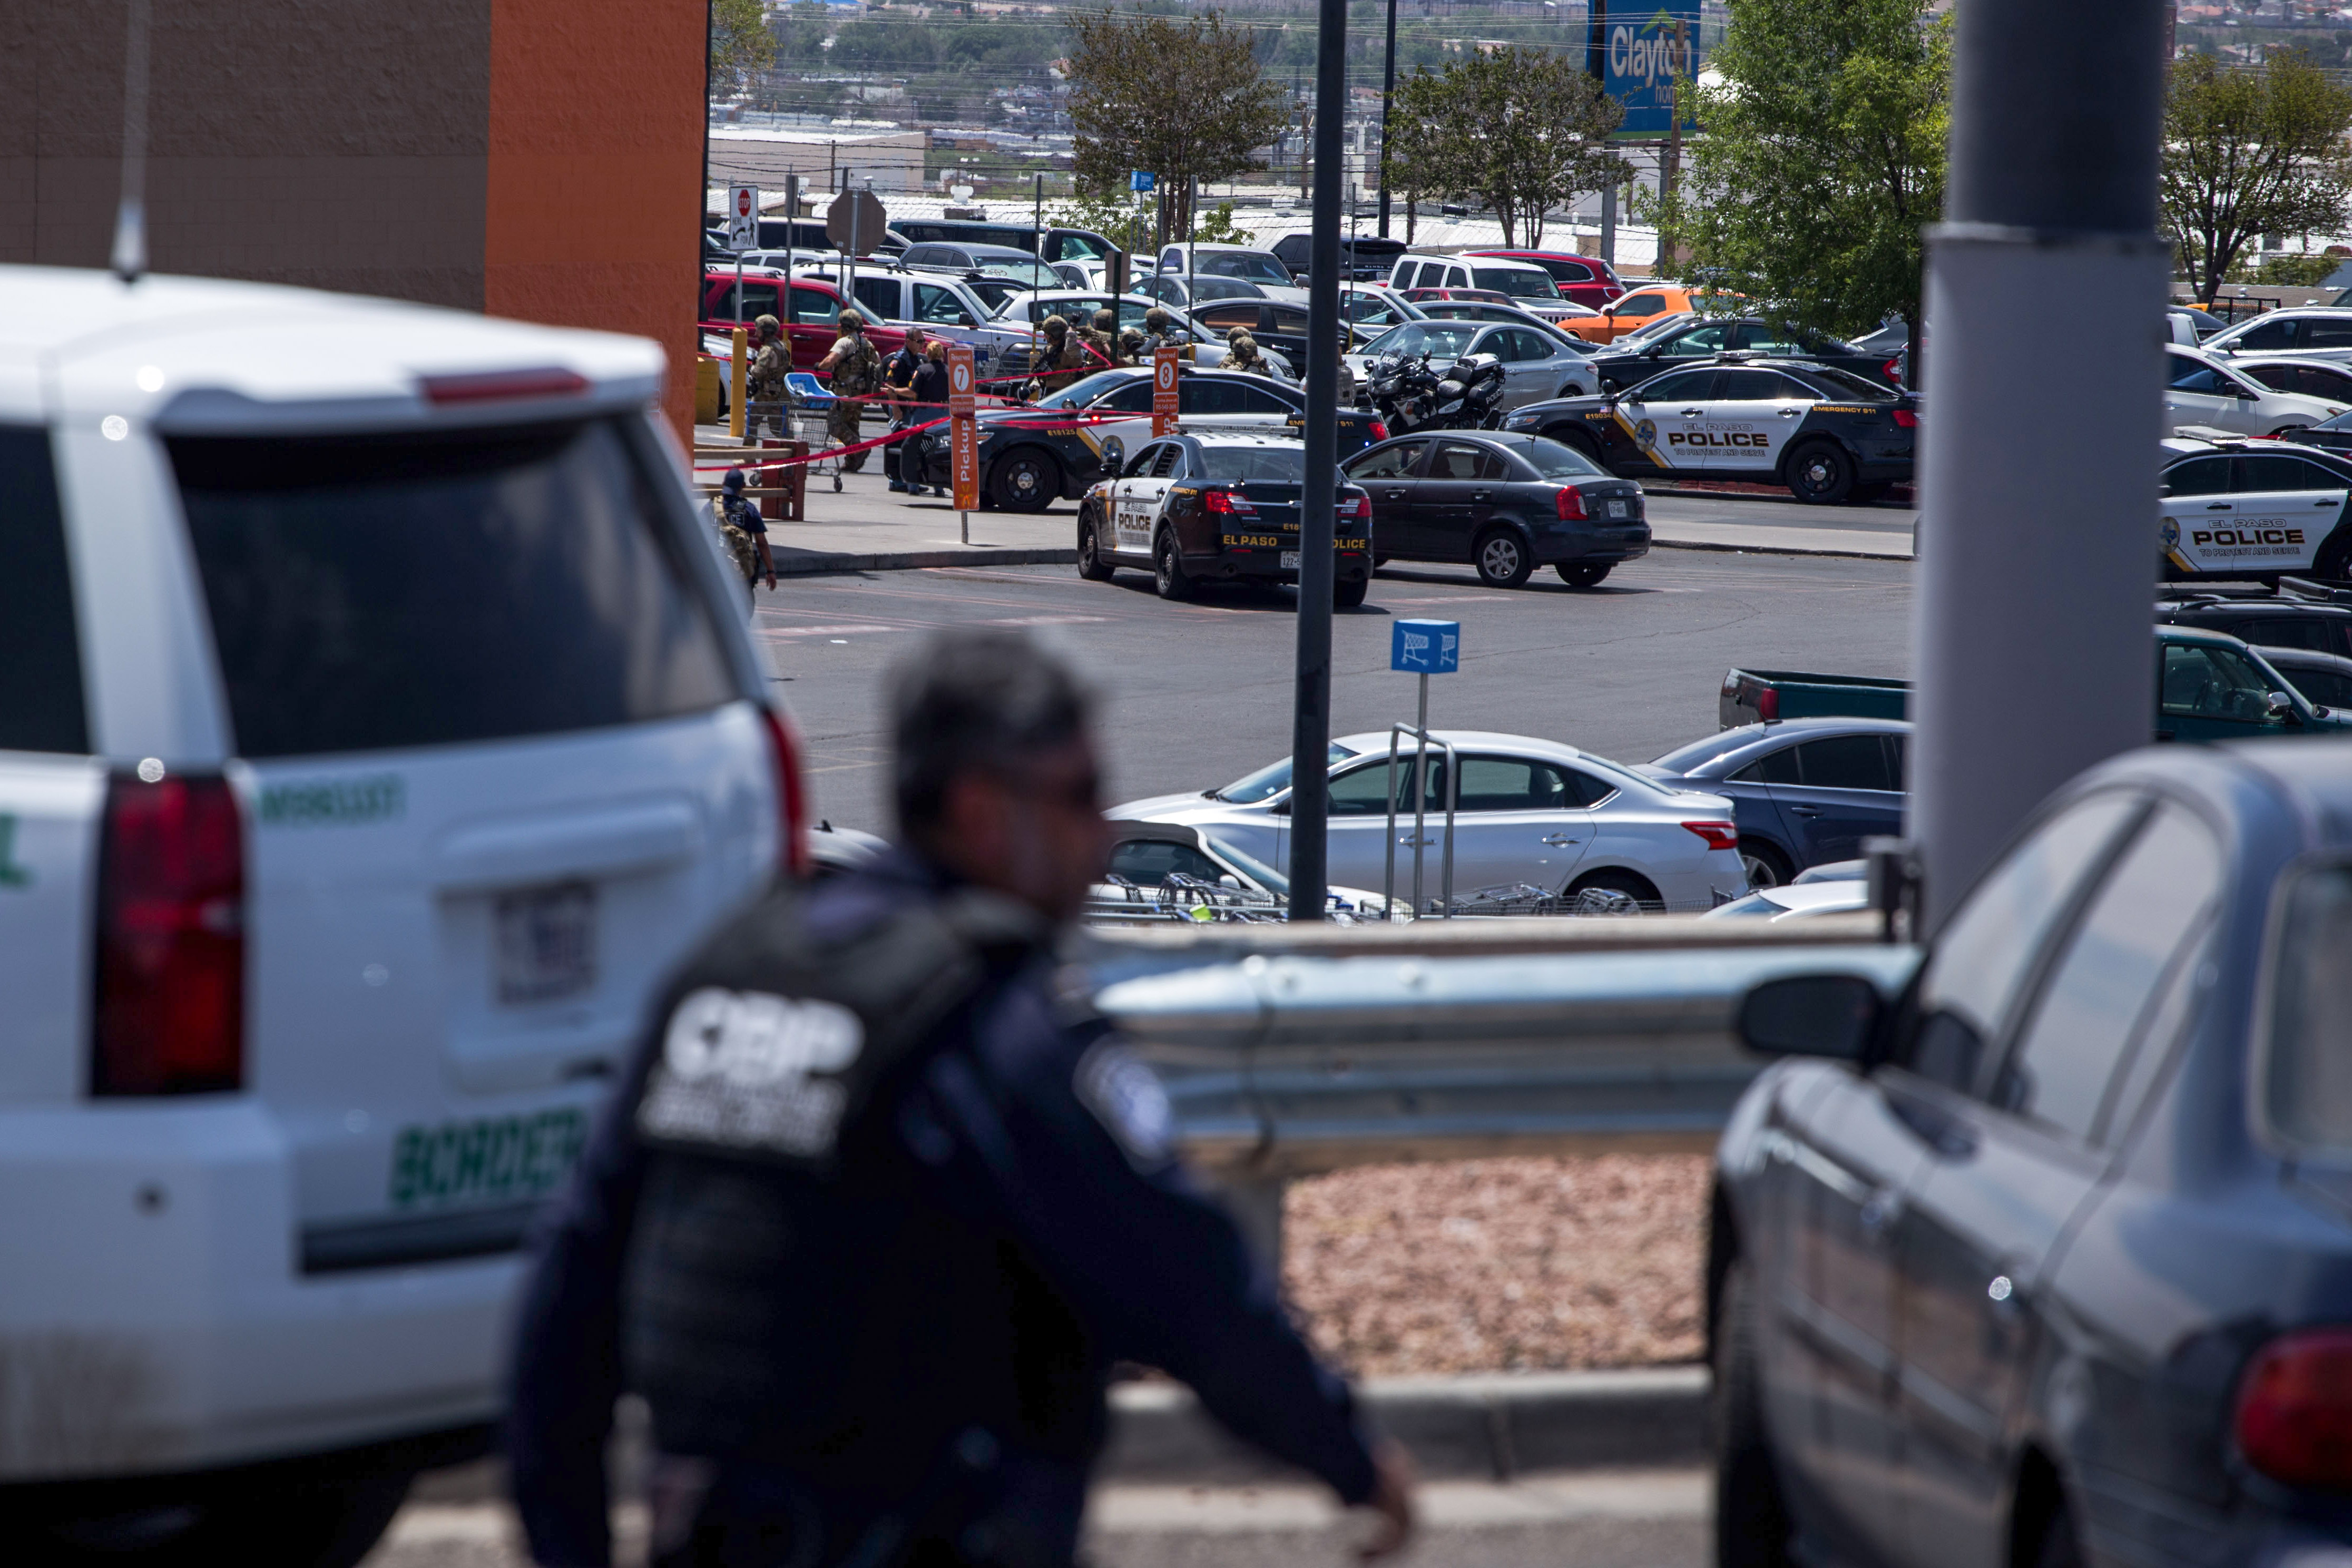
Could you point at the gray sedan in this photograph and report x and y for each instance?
(1536, 365)
(2049, 1260)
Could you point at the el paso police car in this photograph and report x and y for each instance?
(2254, 509)
(1220, 507)
(1828, 435)
(1055, 447)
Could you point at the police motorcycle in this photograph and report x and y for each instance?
(1411, 395)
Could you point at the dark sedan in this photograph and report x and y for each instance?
(1704, 337)
(2049, 1260)
(1805, 791)
(1504, 503)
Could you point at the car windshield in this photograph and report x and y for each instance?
(1035, 274)
(1432, 338)
(1554, 461)
(2307, 1098)
(1268, 781)
(1257, 870)
(1256, 465)
(1078, 394)
(1240, 264)
(1536, 285)
(994, 292)
(1205, 288)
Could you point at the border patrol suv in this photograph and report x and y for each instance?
(378, 727)
(2253, 508)
(1825, 433)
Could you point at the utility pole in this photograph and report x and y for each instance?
(2036, 573)
(1679, 67)
(1388, 91)
(1310, 724)
(1596, 66)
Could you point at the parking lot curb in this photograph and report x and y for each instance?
(1730, 549)
(1487, 1426)
(810, 562)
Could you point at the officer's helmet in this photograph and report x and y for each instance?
(1055, 326)
(769, 325)
(1158, 319)
(1107, 320)
(850, 320)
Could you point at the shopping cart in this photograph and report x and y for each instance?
(811, 404)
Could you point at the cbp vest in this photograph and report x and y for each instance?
(758, 1278)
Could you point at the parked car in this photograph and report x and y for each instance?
(1630, 312)
(984, 260)
(1363, 258)
(1371, 309)
(1796, 901)
(2319, 330)
(1582, 279)
(1058, 243)
(2297, 614)
(2322, 679)
(1520, 283)
(1272, 322)
(1017, 328)
(1250, 263)
(2232, 508)
(1528, 811)
(1511, 315)
(1506, 504)
(1162, 871)
(1695, 338)
(1805, 791)
(1535, 365)
(812, 325)
(2205, 394)
(2330, 380)
(1175, 289)
(2045, 1260)
(355, 808)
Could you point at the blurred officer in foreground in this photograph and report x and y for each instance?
(878, 1205)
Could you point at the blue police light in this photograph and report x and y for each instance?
(1425, 647)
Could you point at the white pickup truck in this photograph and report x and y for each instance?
(378, 724)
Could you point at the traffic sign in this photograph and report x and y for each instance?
(1139, 181)
(855, 222)
(1163, 390)
(963, 426)
(1425, 647)
(743, 217)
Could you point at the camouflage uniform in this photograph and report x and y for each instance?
(1058, 361)
(857, 372)
(766, 377)
(1241, 353)
(1160, 330)
(1131, 349)
(1102, 337)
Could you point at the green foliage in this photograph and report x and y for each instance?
(2288, 271)
(1183, 98)
(1523, 131)
(872, 46)
(740, 47)
(1219, 229)
(1822, 159)
(2249, 152)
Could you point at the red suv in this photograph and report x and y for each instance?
(813, 324)
(1582, 279)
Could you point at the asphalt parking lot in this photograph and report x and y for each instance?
(1199, 693)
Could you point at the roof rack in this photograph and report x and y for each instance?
(2304, 588)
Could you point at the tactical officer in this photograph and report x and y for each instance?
(744, 531)
(771, 364)
(1159, 329)
(1130, 346)
(857, 372)
(875, 1209)
(1102, 339)
(1241, 353)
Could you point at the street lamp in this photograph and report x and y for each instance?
(1388, 88)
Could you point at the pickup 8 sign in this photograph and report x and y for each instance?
(1163, 390)
(964, 428)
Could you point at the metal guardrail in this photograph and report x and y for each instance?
(1288, 1051)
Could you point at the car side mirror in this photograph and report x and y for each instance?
(1655, 350)
(1832, 1015)
(2279, 705)
(963, 319)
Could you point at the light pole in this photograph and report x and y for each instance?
(1388, 91)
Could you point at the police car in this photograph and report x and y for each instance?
(1827, 434)
(2254, 509)
(1056, 447)
(1217, 508)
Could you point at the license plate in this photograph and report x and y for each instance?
(1621, 509)
(501, 1158)
(1290, 561)
(546, 943)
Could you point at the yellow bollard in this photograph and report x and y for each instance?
(741, 386)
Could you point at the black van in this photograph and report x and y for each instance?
(1365, 257)
(1061, 244)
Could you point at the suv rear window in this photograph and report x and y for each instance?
(427, 589)
(40, 702)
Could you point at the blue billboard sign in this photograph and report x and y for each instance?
(1649, 44)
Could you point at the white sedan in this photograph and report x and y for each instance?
(1528, 812)
(2203, 392)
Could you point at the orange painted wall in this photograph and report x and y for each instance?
(595, 171)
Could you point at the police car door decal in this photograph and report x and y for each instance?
(1741, 427)
(2275, 521)
(1137, 503)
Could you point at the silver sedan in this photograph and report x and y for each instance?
(1536, 365)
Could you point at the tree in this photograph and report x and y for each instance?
(1522, 129)
(2249, 152)
(741, 46)
(1821, 162)
(1183, 98)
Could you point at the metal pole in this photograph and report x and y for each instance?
(1388, 91)
(1310, 725)
(1420, 793)
(2035, 571)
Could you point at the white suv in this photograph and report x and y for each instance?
(378, 726)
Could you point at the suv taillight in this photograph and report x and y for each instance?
(169, 1016)
(2294, 1409)
(792, 793)
(1571, 502)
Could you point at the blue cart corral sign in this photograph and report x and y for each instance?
(1425, 647)
(1138, 180)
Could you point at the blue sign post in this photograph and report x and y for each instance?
(1139, 181)
(1649, 44)
(1423, 648)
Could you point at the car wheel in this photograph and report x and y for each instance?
(1578, 574)
(1820, 473)
(1091, 565)
(1167, 575)
(1501, 558)
(1349, 592)
(1026, 480)
(1767, 867)
(1639, 888)
(307, 1514)
(1751, 1521)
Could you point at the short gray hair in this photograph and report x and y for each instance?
(985, 700)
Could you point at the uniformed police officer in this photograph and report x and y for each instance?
(766, 377)
(857, 372)
(875, 1210)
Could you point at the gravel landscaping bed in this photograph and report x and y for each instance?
(1501, 1265)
